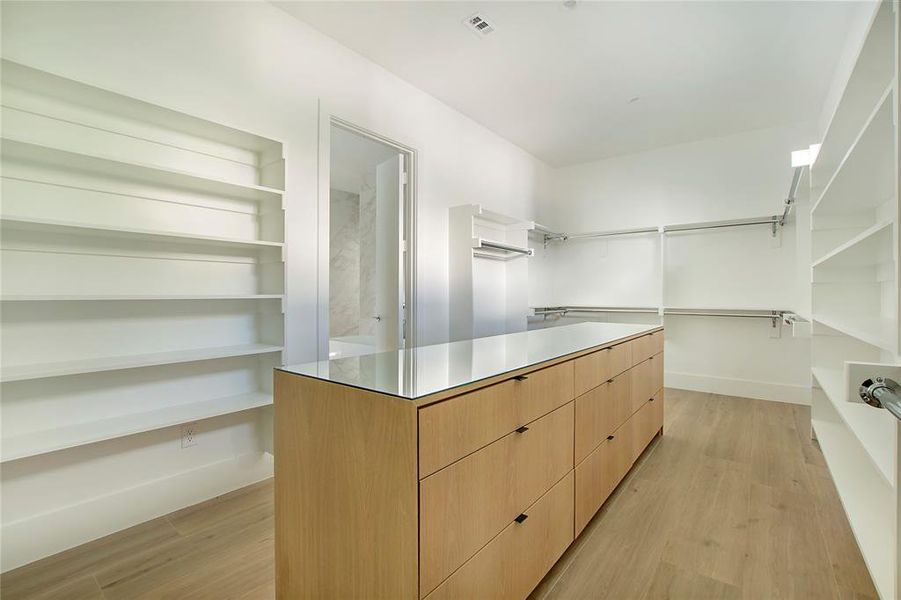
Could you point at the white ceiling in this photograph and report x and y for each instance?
(558, 82)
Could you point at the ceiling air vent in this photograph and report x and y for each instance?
(479, 25)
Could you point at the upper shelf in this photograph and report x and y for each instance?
(875, 331)
(17, 150)
(52, 226)
(869, 248)
(872, 73)
(117, 363)
(865, 177)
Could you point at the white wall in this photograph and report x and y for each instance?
(744, 175)
(253, 67)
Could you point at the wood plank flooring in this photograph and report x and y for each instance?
(734, 501)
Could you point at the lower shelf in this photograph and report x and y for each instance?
(874, 429)
(80, 434)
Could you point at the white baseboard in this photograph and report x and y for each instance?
(743, 388)
(46, 534)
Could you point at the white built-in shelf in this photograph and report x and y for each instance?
(132, 297)
(870, 426)
(53, 226)
(873, 70)
(79, 434)
(871, 247)
(876, 331)
(115, 363)
(864, 178)
(115, 167)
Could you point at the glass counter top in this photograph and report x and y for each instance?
(418, 372)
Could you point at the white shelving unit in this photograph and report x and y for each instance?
(489, 274)
(142, 260)
(854, 278)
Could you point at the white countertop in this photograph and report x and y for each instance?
(418, 372)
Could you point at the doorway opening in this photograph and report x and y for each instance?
(370, 208)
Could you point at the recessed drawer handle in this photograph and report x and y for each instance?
(610, 437)
(521, 518)
(522, 429)
(521, 377)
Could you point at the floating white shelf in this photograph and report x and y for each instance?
(876, 331)
(13, 149)
(79, 434)
(52, 226)
(871, 427)
(115, 363)
(871, 247)
(864, 178)
(135, 297)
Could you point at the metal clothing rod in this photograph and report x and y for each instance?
(773, 221)
(688, 312)
(772, 314)
(600, 309)
(504, 247)
(792, 193)
(597, 234)
(718, 224)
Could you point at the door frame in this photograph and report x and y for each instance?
(327, 119)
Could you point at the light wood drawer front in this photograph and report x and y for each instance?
(465, 505)
(600, 411)
(594, 482)
(450, 430)
(645, 424)
(594, 369)
(642, 383)
(647, 346)
(514, 563)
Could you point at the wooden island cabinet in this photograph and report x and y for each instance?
(457, 470)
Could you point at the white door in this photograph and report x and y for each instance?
(389, 254)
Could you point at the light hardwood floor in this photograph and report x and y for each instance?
(733, 502)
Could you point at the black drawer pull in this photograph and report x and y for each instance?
(522, 429)
(521, 518)
(609, 381)
(521, 377)
(610, 437)
(650, 399)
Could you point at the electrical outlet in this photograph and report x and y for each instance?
(188, 435)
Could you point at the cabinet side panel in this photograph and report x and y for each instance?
(345, 492)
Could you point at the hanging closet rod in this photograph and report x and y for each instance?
(688, 312)
(792, 193)
(773, 221)
(480, 243)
